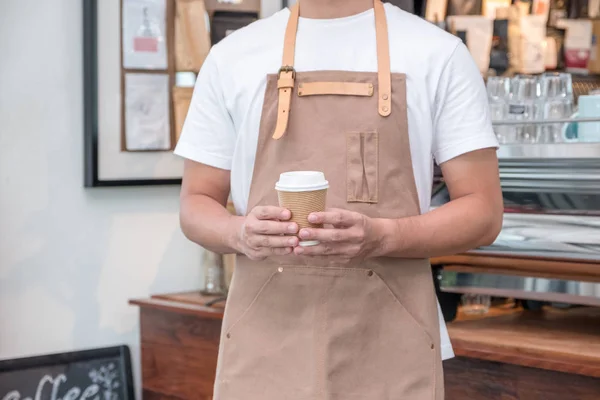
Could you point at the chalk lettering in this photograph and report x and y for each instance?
(90, 391)
(14, 395)
(72, 394)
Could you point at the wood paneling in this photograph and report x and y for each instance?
(473, 379)
(560, 340)
(496, 352)
(192, 298)
(151, 395)
(179, 351)
(170, 329)
(180, 308)
(180, 372)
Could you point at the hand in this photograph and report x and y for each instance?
(262, 233)
(350, 237)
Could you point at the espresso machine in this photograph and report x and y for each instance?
(549, 248)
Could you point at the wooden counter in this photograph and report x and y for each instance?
(553, 268)
(508, 354)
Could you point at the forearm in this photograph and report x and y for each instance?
(460, 225)
(208, 223)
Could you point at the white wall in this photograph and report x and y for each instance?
(70, 258)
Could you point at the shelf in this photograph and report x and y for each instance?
(549, 151)
(546, 121)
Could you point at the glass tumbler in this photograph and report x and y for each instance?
(524, 106)
(555, 108)
(473, 304)
(556, 102)
(552, 85)
(498, 90)
(214, 274)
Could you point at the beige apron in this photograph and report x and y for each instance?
(296, 328)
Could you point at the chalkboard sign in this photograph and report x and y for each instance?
(98, 374)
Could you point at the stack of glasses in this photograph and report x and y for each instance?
(529, 99)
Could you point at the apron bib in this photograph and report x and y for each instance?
(300, 328)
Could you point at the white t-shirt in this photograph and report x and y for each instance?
(447, 103)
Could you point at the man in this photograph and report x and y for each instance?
(369, 95)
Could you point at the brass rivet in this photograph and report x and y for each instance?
(385, 97)
(384, 109)
(280, 269)
(300, 85)
(370, 273)
(300, 93)
(370, 86)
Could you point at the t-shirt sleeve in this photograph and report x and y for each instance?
(208, 134)
(461, 111)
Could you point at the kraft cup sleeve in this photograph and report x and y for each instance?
(301, 204)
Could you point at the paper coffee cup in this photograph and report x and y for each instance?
(303, 192)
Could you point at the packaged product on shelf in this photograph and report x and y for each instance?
(550, 53)
(491, 7)
(479, 37)
(541, 7)
(499, 53)
(227, 22)
(594, 60)
(558, 11)
(464, 7)
(593, 8)
(578, 43)
(192, 37)
(526, 40)
(182, 98)
(558, 36)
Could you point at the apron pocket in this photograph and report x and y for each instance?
(333, 330)
(373, 346)
(362, 167)
(268, 351)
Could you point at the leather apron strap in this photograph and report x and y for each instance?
(287, 74)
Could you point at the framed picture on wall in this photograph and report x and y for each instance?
(128, 80)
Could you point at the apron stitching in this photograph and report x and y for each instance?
(376, 195)
(320, 360)
(433, 363)
(349, 196)
(295, 267)
(364, 187)
(250, 306)
(411, 317)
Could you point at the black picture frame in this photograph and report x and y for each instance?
(48, 360)
(90, 104)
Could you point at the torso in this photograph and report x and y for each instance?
(246, 57)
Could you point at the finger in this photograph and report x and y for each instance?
(322, 249)
(270, 241)
(273, 227)
(271, 212)
(335, 217)
(267, 252)
(282, 251)
(327, 235)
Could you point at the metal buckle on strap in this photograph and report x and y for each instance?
(287, 68)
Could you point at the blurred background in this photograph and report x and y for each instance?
(89, 199)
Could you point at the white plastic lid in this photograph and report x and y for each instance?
(301, 181)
